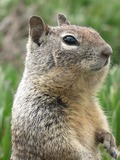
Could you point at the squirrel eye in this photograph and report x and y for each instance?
(70, 40)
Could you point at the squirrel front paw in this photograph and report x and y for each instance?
(109, 143)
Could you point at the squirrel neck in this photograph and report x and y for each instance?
(67, 84)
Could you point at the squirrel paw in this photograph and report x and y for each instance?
(109, 143)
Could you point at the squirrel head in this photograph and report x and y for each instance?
(67, 47)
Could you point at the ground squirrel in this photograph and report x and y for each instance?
(55, 114)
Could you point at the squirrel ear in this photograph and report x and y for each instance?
(62, 20)
(37, 28)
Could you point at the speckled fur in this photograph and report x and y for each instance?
(55, 114)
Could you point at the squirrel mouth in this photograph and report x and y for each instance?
(99, 67)
(96, 68)
(106, 62)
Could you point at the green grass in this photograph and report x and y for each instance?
(110, 100)
(8, 83)
(9, 77)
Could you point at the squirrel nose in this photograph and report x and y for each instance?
(106, 52)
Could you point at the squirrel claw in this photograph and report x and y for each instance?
(109, 144)
(113, 152)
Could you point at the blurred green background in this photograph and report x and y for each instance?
(102, 15)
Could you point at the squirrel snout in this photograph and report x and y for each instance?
(106, 52)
